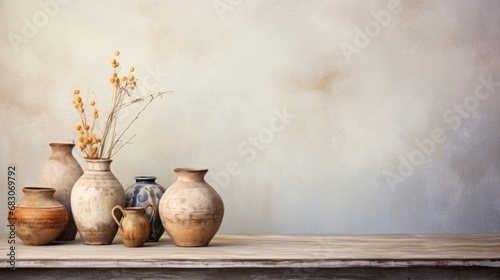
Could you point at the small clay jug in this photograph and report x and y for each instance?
(134, 227)
(146, 191)
(39, 217)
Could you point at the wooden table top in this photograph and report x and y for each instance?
(275, 251)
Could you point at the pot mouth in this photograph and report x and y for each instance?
(98, 159)
(39, 189)
(190, 170)
(135, 208)
(61, 144)
(145, 178)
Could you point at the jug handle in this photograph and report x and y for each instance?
(113, 214)
(152, 211)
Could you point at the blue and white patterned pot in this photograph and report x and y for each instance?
(146, 191)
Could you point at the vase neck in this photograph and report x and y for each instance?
(145, 179)
(134, 211)
(39, 192)
(186, 174)
(98, 164)
(60, 149)
(39, 197)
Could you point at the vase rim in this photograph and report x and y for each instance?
(135, 208)
(61, 144)
(145, 177)
(39, 189)
(98, 159)
(190, 170)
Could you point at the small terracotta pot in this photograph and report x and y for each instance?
(134, 228)
(39, 217)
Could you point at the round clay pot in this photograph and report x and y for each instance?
(93, 197)
(60, 172)
(145, 191)
(134, 228)
(191, 210)
(39, 217)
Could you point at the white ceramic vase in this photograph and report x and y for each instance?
(60, 172)
(93, 197)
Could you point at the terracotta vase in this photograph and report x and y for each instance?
(93, 197)
(61, 172)
(143, 192)
(39, 217)
(191, 210)
(134, 228)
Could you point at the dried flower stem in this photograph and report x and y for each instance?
(110, 141)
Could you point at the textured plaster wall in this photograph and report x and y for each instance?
(312, 116)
